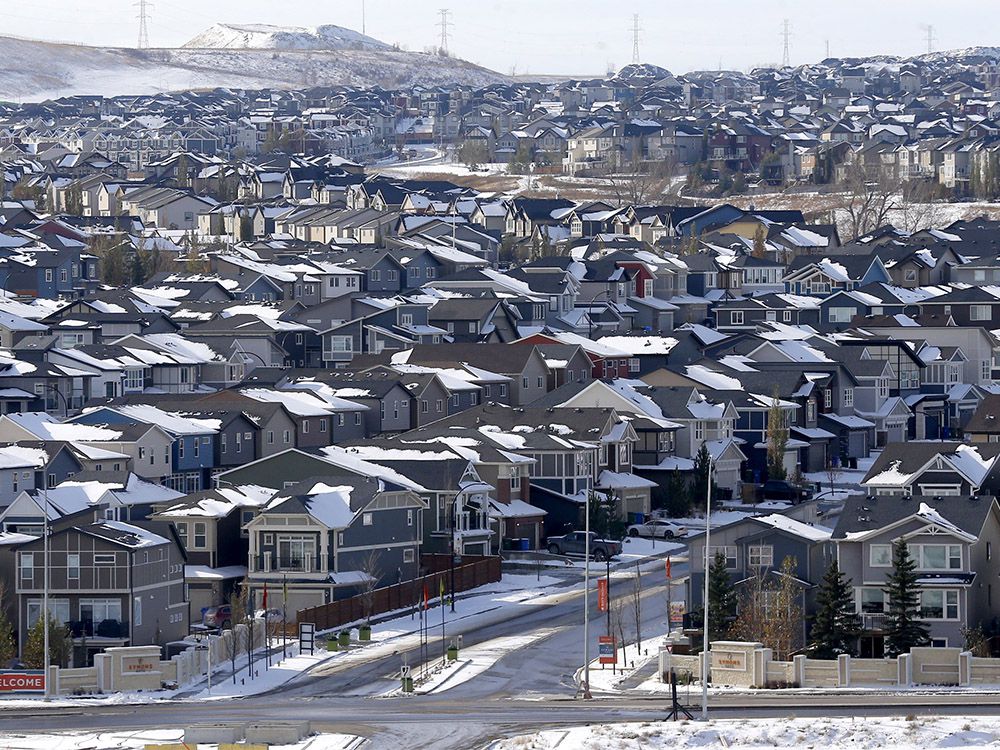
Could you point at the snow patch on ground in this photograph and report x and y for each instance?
(138, 740)
(761, 734)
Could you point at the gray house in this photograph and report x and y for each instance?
(761, 544)
(111, 583)
(326, 538)
(950, 538)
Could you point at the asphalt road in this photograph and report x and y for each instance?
(528, 689)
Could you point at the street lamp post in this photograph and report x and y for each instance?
(45, 583)
(704, 623)
(586, 601)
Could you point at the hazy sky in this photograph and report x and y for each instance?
(555, 36)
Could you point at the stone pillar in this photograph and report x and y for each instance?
(844, 670)
(53, 679)
(761, 658)
(904, 673)
(965, 669)
(799, 669)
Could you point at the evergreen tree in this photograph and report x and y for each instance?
(836, 626)
(777, 439)
(903, 628)
(8, 646)
(721, 599)
(60, 645)
(702, 469)
(678, 500)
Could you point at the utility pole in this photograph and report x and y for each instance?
(144, 7)
(635, 38)
(444, 23)
(46, 529)
(786, 33)
(827, 49)
(930, 39)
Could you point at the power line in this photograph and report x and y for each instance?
(635, 39)
(144, 7)
(786, 33)
(444, 23)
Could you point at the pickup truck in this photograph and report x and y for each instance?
(576, 544)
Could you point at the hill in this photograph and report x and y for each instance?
(263, 36)
(35, 70)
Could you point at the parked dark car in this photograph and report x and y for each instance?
(576, 544)
(779, 489)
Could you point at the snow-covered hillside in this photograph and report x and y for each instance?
(33, 70)
(263, 36)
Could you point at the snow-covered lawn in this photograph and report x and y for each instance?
(133, 740)
(604, 678)
(754, 734)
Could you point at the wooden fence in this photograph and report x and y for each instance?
(468, 575)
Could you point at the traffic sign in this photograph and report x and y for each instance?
(606, 649)
(404, 671)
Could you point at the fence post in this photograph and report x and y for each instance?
(965, 669)
(844, 670)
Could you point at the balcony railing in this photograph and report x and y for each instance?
(269, 563)
(874, 621)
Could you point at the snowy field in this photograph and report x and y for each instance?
(754, 734)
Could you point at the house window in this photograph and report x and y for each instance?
(524, 382)
(27, 568)
(939, 604)
(305, 426)
(357, 419)
(180, 448)
(938, 556)
(409, 518)
(848, 397)
(137, 610)
(104, 558)
(270, 437)
(880, 555)
(287, 437)
(200, 535)
(729, 552)
(841, 314)
(367, 519)
(182, 533)
(811, 411)
(541, 381)
(736, 317)
(503, 389)
(760, 556)
(699, 430)
(872, 601)
(980, 312)
(322, 425)
(48, 275)
(73, 567)
(408, 555)
(197, 448)
(376, 275)
(423, 406)
(786, 316)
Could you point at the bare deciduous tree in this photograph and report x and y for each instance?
(867, 201)
(648, 183)
(917, 208)
(370, 568)
(637, 606)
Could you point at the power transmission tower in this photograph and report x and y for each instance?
(363, 25)
(635, 39)
(444, 23)
(786, 33)
(930, 38)
(144, 7)
(827, 49)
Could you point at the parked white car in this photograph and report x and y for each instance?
(657, 529)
